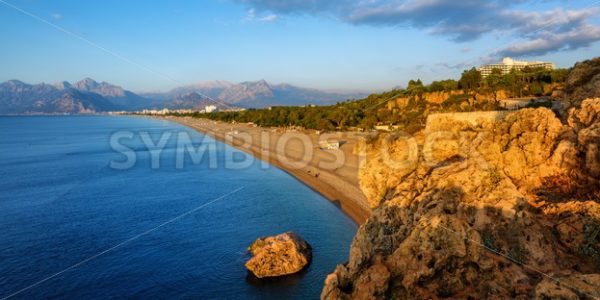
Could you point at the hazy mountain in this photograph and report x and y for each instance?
(258, 94)
(63, 85)
(249, 94)
(298, 96)
(208, 88)
(17, 97)
(194, 100)
(89, 96)
(85, 96)
(104, 89)
(125, 99)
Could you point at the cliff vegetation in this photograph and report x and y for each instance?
(408, 108)
(496, 209)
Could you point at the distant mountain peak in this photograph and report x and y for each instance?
(15, 82)
(259, 93)
(193, 100)
(88, 95)
(212, 84)
(105, 89)
(17, 97)
(258, 82)
(190, 95)
(63, 85)
(87, 80)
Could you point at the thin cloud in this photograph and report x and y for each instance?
(459, 66)
(461, 21)
(573, 39)
(269, 19)
(56, 16)
(251, 16)
(297, 6)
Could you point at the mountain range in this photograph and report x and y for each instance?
(259, 94)
(90, 96)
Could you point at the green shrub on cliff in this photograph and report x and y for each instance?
(583, 80)
(372, 110)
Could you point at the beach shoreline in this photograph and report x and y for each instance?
(338, 184)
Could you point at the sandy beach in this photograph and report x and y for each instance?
(331, 172)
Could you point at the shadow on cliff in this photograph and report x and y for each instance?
(561, 189)
(446, 244)
(273, 282)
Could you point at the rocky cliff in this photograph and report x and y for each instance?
(439, 98)
(494, 209)
(584, 80)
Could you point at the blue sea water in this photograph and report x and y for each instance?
(72, 227)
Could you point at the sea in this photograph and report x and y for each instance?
(97, 207)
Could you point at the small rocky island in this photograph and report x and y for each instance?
(279, 255)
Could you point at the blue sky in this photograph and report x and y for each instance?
(359, 45)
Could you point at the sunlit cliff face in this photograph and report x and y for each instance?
(483, 209)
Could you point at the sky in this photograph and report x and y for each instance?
(367, 45)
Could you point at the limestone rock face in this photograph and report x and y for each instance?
(470, 211)
(586, 122)
(278, 255)
(584, 80)
(571, 287)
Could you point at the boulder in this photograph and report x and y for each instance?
(585, 121)
(279, 255)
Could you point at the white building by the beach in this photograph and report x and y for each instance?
(210, 108)
(163, 111)
(508, 64)
(327, 145)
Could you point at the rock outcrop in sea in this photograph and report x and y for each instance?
(493, 209)
(279, 255)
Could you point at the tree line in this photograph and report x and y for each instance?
(372, 110)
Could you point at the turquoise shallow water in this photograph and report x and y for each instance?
(61, 203)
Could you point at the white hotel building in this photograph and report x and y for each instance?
(508, 64)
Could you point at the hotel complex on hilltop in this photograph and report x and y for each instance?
(508, 64)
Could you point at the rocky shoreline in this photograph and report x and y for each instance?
(500, 209)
